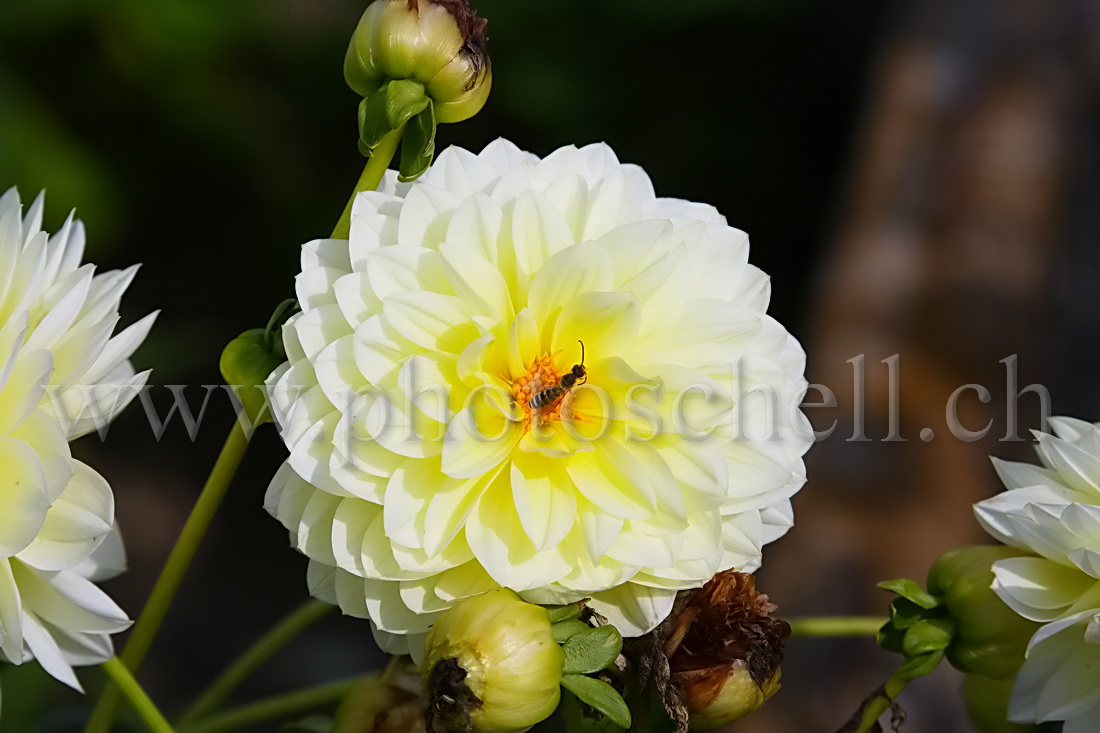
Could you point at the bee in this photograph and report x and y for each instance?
(566, 383)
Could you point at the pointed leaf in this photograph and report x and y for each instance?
(373, 123)
(561, 613)
(928, 636)
(904, 613)
(592, 650)
(891, 638)
(911, 590)
(920, 665)
(405, 99)
(418, 145)
(564, 630)
(599, 695)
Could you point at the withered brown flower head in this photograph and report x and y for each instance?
(726, 624)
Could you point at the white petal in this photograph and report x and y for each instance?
(633, 609)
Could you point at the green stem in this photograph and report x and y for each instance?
(145, 630)
(133, 691)
(372, 174)
(276, 707)
(836, 625)
(878, 705)
(275, 639)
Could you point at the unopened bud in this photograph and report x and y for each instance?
(990, 638)
(725, 650)
(491, 665)
(440, 44)
(249, 359)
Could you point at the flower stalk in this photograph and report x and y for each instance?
(142, 704)
(833, 626)
(275, 639)
(371, 176)
(876, 706)
(277, 707)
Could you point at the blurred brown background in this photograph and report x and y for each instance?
(919, 178)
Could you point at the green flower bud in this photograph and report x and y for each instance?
(248, 359)
(990, 637)
(987, 704)
(491, 665)
(438, 43)
(724, 651)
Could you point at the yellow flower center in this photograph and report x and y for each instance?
(542, 375)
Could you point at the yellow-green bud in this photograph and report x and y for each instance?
(438, 43)
(491, 665)
(990, 637)
(738, 696)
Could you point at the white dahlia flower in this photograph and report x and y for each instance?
(61, 375)
(1053, 510)
(424, 466)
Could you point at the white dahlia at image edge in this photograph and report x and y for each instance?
(419, 471)
(62, 374)
(1053, 510)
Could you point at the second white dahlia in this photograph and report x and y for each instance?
(424, 466)
(62, 374)
(1053, 510)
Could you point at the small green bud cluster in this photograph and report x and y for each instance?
(416, 63)
(959, 617)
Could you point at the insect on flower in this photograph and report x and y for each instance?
(566, 383)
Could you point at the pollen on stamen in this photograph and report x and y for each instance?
(541, 375)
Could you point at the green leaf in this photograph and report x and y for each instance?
(564, 630)
(581, 718)
(563, 613)
(599, 695)
(373, 123)
(405, 99)
(912, 590)
(592, 650)
(920, 665)
(891, 638)
(904, 613)
(929, 635)
(417, 145)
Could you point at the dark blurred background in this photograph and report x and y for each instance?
(919, 178)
